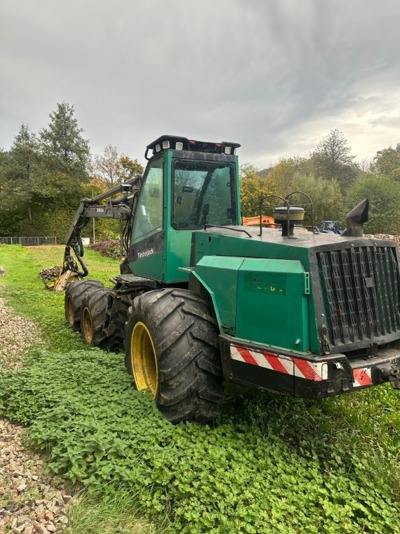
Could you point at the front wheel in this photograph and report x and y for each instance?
(172, 350)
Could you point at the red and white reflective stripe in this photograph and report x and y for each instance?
(362, 377)
(282, 364)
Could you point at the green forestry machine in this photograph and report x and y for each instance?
(201, 299)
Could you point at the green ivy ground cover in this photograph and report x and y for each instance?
(272, 464)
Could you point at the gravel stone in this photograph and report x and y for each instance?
(17, 334)
(31, 502)
(37, 503)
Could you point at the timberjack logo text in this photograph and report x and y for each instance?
(145, 253)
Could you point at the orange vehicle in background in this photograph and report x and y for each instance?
(255, 221)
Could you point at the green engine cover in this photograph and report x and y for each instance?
(260, 300)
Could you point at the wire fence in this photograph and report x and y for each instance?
(29, 241)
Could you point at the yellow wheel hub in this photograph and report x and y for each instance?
(144, 359)
(87, 327)
(70, 312)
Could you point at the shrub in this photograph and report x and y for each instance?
(110, 248)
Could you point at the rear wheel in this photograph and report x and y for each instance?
(172, 350)
(74, 295)
(93, 315)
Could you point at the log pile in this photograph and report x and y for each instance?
(50, 273)
(395, 238)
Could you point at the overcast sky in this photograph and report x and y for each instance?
(273, 75)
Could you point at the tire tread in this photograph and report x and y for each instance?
(186, 340)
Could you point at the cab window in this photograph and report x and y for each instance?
(203, 193)
(149, 211)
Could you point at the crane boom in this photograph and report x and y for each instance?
(120, 208)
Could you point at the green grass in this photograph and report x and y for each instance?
(272, 464)
(25, 291)
(94, 514)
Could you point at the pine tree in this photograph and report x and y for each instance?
(62, 143)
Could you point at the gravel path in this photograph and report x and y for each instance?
(17, 334)
(30, 501)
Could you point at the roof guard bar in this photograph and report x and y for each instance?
(310, 203)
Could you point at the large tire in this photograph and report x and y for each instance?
(118, 321)
(93, 315)
(172, 350)
(73, 300)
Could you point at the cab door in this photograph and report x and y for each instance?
(148, 226)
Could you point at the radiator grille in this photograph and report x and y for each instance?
(360, 287)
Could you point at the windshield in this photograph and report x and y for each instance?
(203, 193)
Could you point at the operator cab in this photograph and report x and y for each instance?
(187, 184)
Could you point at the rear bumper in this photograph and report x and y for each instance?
(308, 375)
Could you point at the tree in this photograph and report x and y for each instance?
(247, 170)
(332, 159)
(41, 177)
(25, 153)
(108, 166)
(130, 167)
(383, 193)
(24, 168)
(19, 168)
(3, 163)
(7, 200)
(325, 194)
(252, 188)
(282, 175)
(62, 144)
(387, 161)
(114, 168)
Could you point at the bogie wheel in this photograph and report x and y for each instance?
(172, 350)
(93, 315)
(74, 294)
(118, 319)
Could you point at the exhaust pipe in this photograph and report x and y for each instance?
(356, 218)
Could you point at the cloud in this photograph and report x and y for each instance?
(274, 76)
